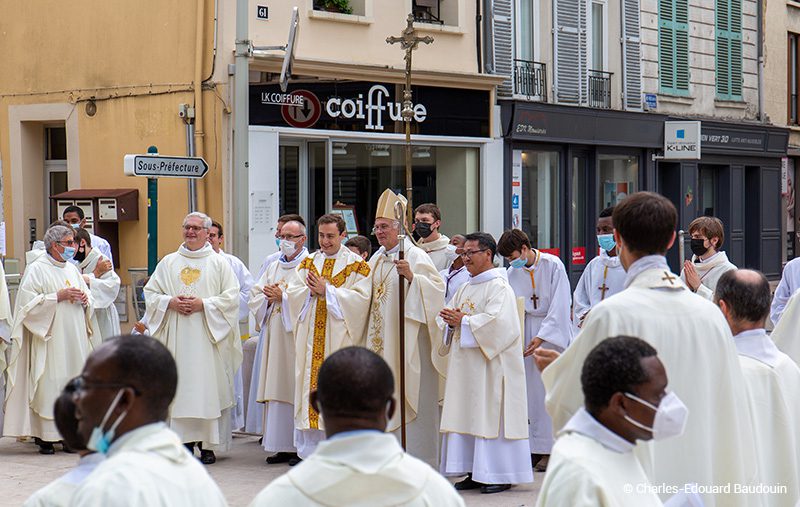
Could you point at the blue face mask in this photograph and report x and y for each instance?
(519, 262)
(101, 440)
(278, 242)
(69, 253)
(76, 226)
(606, 242)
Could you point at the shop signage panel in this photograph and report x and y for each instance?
(682, 140)
(713, 137)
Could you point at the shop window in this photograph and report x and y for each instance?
(540, 199)
(289, 179)
(618, 177)
(707, 191)
(793, 78)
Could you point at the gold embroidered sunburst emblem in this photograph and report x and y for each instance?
(189, 275)
(467, 307)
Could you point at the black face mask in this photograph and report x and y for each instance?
(698, 247)
(80, 255)
(423, 229)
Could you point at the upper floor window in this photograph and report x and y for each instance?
(729, 49)
(793, 80)
(673, 46)
(438, 12)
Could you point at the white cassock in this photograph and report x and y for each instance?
(104, 291)
(6, 321)
(360, 469)
(773, 386)
(440, 252)
(695, 344)
(50, 341)
(206, 344)
(149, 467)
(59, 492)
(786, 334)
(275, 384)
(245, 283)
(603, 277)
(103, 246)
(591, 466)
(323, 325)
(789, 284)
(485, 414)
(709, 271)
(254, 419)
(547, 317)
(423, 365)
(453, 279)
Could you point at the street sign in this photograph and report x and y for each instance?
(159, 166)
(302, 116)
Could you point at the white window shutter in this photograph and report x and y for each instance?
(503, 44)
(569, 51)
(631, 55)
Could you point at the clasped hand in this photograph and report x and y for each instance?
(316, 284)
(273, 293)
(452, 316)
(73, 295)
(186, 305)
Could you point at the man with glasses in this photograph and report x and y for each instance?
(424, 297)
(192, 303)
(276, 381)
(50, 341)
(485, 416)
(123, 397)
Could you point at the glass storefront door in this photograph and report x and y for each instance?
(540, 199)
(617, 177)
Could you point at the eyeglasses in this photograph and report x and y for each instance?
(290, 237)
(67, 243)
(194, 228)
(381, 228)
(81, 385)
(470, 253)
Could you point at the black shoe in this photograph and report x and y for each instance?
(281, 457)
(44, 447)
(294, 460)
(488, 489)
(67, 449)
(207, 457)
(261, 441)
(467, 483)
(190, 447)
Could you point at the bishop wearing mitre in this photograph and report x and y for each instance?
(424, 298)
(192, 303)
(329, 304)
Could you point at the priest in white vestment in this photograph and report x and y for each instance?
(424, 298)
(427, 220)
(50, 339)
(789, 285)
(359, 465)
(99, 275)
(603, 276)
(540, 280)
(270, 306)
(123, 397)
(456, 275)
(695, 346)
(785, 335)
(593, 464)
(193, 308)
(485, 412)
(6, 321)
(215, 238)
(772, 379)
(708, 262)
(329, 308)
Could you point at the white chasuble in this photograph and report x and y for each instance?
(424, 299)
(323, 325)
(789, 284)
(6, 321)
(50, 341)
(695, 344)
(276, 381)
(439, 253)
(786, 334)
(205, 344)
(603, 277)
(710, 271)
(545, 289)
(104, 290)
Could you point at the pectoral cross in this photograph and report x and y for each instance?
(603, 288)
(535, 300)
(668, 277)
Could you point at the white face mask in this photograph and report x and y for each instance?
(451, 253)
(670, 420)
(288, 247)
(100, 440)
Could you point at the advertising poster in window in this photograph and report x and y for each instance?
(516, 190)
(615, 191)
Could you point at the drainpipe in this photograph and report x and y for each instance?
(199, 132)
(478, 49)
(762, 117)
(488, 39)
(240, 171)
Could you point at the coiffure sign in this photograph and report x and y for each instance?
(373, 109)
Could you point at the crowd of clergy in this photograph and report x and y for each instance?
(642, 387)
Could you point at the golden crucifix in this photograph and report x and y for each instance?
(409, 41)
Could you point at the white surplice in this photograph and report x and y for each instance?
(549, 320)
(206, 344)
(591, 466)
(424, 299)
(709, 271)
(695, 345)
(323, 325)
(275, 385)
(50, 341)
(485, 414)
(59, 492)
(438, 251)
(453, 279)
(149, 467)
(104, 291)
(773, 387)
(602, 272)
(360, 469)
(103, 246)
(786, 334)
(789, 284)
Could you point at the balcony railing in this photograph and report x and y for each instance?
(600, 89)
(530, 80)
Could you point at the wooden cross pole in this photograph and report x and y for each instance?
(409, 41)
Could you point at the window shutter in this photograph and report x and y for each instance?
(503, 44)
(673, 46)
(729, 49)
(570, 51)
(632, 55)
(682, 47)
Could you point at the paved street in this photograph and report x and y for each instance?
(241, 474)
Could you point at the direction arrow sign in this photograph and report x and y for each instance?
(159, 166)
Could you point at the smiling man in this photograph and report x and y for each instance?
(193, 309)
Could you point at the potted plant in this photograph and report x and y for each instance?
(340, 6)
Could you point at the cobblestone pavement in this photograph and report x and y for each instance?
(241, 474)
